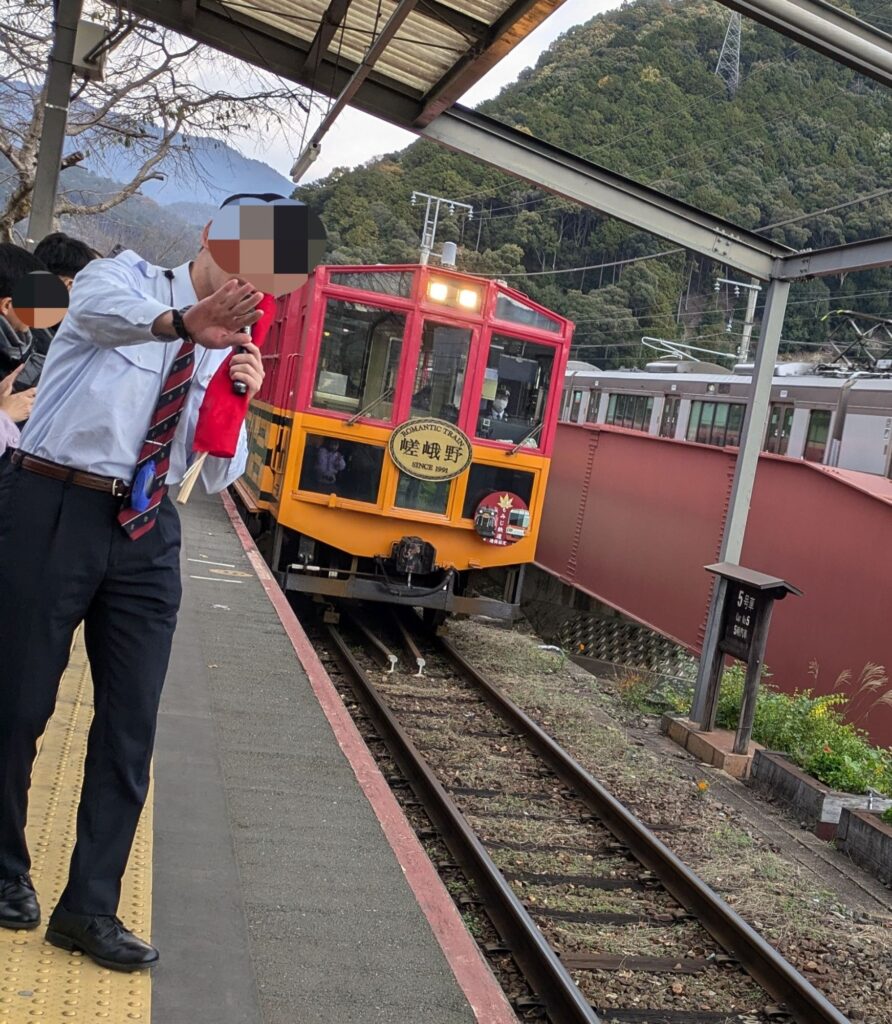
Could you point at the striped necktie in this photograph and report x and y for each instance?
(148, 487)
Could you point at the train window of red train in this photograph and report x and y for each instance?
(515, 390)
(516, 312)
(349, 469)
(818, 432)
(440, 373)
(483, 480)
(358, 359)
(387, 282)
(422, 495)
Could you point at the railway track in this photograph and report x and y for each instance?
(581, 893)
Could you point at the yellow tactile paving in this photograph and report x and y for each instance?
(37, 981)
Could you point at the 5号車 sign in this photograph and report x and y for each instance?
(430, 449)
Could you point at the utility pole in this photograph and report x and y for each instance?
(55, 119)
(432, 219)
(728, 67)
(753, 289)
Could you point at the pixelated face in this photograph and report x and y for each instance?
(274, 245)
(39, 299)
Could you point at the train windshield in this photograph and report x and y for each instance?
(440, 372)
(359, 359)
(515, 391)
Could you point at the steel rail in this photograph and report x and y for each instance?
(760, 960)
(539, 963)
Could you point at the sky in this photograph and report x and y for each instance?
(357, 137)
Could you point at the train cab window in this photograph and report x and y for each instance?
(483, 480)
(358, 359)
(516, 312)
(349, 469)
(388, 282)
(816, 438)
(515, 391)
(422, 495)
(669, 419)
(440, 375)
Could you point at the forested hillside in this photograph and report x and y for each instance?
(635, 91)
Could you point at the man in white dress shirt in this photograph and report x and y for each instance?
(65, 558)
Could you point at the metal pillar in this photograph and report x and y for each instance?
(55, 119)
(754, 424)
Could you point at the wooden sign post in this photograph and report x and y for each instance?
(749, 599)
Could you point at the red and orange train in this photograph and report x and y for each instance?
(402, 438)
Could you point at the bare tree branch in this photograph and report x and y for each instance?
(159, 91)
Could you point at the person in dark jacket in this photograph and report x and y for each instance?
(65, 257)
(16, 339)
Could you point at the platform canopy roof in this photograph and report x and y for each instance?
(409, 61)
(439, 49)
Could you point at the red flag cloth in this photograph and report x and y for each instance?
(222, 411)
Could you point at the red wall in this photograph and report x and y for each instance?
(632, 519)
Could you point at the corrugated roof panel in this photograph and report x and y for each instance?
(422, 52)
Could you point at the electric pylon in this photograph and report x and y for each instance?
(728, 67)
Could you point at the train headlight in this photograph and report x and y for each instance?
(468, 298)
(438, 291)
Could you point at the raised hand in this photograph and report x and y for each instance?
(216, 321)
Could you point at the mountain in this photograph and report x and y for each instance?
(215, 171)
(635, 91)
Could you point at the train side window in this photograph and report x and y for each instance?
(349, 469)
(440, 375)
(422, 495)
(630, 411)
(735, 423)
(816, 438)
(483, 480)
(575, 405)
(669, 419)
(358, 359)
(594, 402)
(515, 390)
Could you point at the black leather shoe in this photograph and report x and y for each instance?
(18, 903)
(103, 938)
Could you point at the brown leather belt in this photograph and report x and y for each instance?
(43, 467)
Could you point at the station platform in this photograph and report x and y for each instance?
(272, 867)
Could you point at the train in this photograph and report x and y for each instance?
(834, 417)
(401, 442)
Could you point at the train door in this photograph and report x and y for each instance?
(780, 422)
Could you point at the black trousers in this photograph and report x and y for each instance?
(64, 560)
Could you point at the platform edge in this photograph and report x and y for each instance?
(473, 975)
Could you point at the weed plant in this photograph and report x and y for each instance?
(812, 732)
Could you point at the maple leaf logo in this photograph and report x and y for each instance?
(506, 501)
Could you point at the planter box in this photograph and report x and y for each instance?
(867, 840)
(806, 798)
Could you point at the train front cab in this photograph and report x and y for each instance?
(356, 353)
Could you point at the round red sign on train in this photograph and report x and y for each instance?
(502, 518)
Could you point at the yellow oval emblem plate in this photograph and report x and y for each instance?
(430, 449)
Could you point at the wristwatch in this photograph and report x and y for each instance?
(179, 324)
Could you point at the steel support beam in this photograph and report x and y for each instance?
(754, 423)
(330, 23)
(55, 120)
(557, 171)
(821, 26)
(839, 259)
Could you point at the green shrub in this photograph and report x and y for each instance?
(887, 816)
(811, 731)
